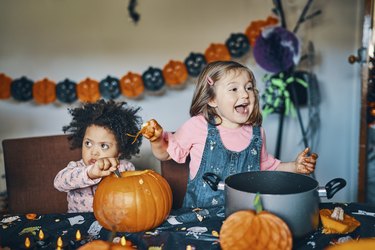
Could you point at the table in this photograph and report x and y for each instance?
(198, 234)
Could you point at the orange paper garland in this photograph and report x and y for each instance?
(175, 74)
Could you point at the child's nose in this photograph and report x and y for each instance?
(95, 151)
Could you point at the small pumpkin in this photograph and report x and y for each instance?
(175, 73)
(5, 82)
(88, 90)
(131, 85)
(44, 91)
(137, 201)
(217, 52)
(104, 245)
(247, 229)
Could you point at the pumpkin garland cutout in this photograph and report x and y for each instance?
(258, 230)
(138, 201)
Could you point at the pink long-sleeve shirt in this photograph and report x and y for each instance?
(79, 187)
(190, 138)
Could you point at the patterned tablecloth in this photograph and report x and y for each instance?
(170, 235)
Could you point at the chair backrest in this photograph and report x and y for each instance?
(31, 165)
(177, 176)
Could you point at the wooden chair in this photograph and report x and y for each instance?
(177, 176)
(31, 165)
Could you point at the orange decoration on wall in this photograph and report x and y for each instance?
(44, 91)
(131, 85)
(217, 52)
(255, 28)
(88, 90)
(175, 73)
(5, 82)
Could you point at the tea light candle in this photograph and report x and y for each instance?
(28, 244)
(42, 238)
(60, 244)
(123, 244)
(78, 241)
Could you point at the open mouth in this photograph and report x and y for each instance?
(242, 109)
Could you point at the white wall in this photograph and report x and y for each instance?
(93, 38)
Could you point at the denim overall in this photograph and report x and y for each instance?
(223, 162)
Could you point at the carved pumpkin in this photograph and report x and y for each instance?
(5, 83)
(247, 229)
(132, 85)
(44, 91)
(88, 90)
(175, 73)
(217, 52)
(135, 202)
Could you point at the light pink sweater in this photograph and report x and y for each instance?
(190, 139)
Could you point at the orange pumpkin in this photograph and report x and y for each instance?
(175, 73)
(131, 85)
(217, 52)
(135, 202)
(255, 28)
(5, 83)
(44, 91)
(247, 229)
(104, 245)
(88, 90)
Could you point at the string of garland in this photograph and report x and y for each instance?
(132, 85)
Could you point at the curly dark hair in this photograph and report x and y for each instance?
(117, 117)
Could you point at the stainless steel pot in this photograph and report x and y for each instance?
(293, 197)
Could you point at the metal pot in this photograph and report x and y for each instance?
(293, 197)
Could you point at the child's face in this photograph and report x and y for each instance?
(235, 98)
(98, 143)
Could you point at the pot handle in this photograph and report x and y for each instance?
(212, 180)
(333, 186)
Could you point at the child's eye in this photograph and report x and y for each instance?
(105, 146)
(88, 144)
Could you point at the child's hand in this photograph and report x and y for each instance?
(305, 164)
(103, 167)
(152, 130)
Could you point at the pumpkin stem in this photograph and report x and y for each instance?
(257, 203)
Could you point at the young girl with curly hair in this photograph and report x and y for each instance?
(101, 130)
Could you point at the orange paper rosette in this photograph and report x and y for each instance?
(131, 85)
(5, 83)
(255, 28)
(88, 90)
(44, 91)
(217, 52)
(175, 73)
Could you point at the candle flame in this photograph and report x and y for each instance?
(41, 234)
(59, 242)
(78, 235)
(27, 242)
(123, 241)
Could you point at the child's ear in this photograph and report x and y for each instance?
(212, 103)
